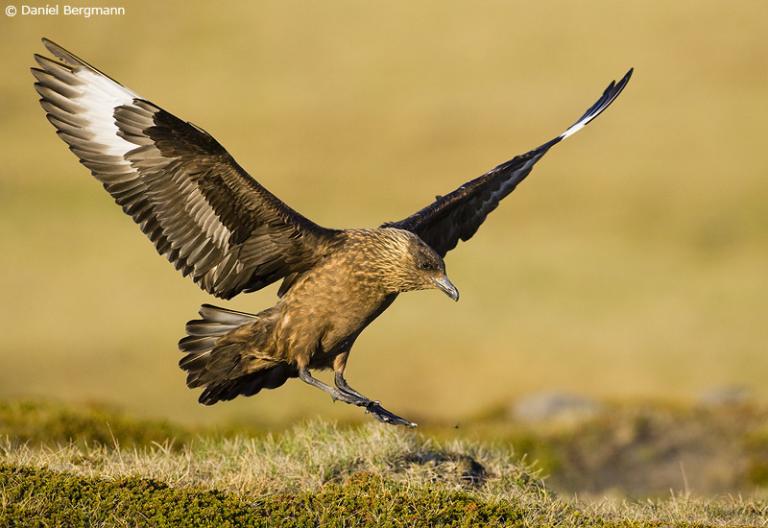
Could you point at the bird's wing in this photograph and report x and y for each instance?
(458, 215)
(196, 204)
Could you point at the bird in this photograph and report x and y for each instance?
(219, 226)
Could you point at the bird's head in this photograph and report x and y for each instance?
(416, 266)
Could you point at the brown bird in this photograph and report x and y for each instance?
(215, 223)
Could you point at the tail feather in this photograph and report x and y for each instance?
(228, 362)
(203, 328)
(192, 344)
(224, 316)
(249, 385)
(217, 321)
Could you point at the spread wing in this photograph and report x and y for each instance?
(458, 215)
(187, 194)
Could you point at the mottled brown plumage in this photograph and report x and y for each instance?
(215, 223)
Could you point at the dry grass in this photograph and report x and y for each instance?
(303, 459)
(632, 263)
(312, 457)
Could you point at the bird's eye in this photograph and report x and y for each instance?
(426, 266)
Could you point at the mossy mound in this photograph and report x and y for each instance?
(36, 497)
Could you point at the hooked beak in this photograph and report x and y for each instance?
(447, 287)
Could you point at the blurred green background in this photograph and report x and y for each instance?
(633, 262)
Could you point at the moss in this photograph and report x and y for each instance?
(33, 497)
(39, 497)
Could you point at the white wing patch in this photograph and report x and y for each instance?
(581, 123)
(575, 128)
(98, 98)
(609, 95)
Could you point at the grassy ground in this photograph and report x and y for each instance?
(38, 497)
(632, 263)
(68, 466)
(625, 450)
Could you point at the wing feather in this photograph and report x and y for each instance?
(199, 208)
(458, 215)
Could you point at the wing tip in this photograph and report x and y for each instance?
(70, 60)
(610, 94)
(59, 52)
(619, 87)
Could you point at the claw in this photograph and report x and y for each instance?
(385, 416)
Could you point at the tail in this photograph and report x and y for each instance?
(223, 354)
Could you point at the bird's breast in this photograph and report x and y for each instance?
(325, 311)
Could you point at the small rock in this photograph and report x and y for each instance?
(450, 466)
(472, 471)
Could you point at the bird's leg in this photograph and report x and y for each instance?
(373, 407)
(339, 364)
(343, 386)
(336, 394)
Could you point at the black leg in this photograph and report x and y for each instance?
(336, 394)
(343, 386)
(354, 398)
(373, 407)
